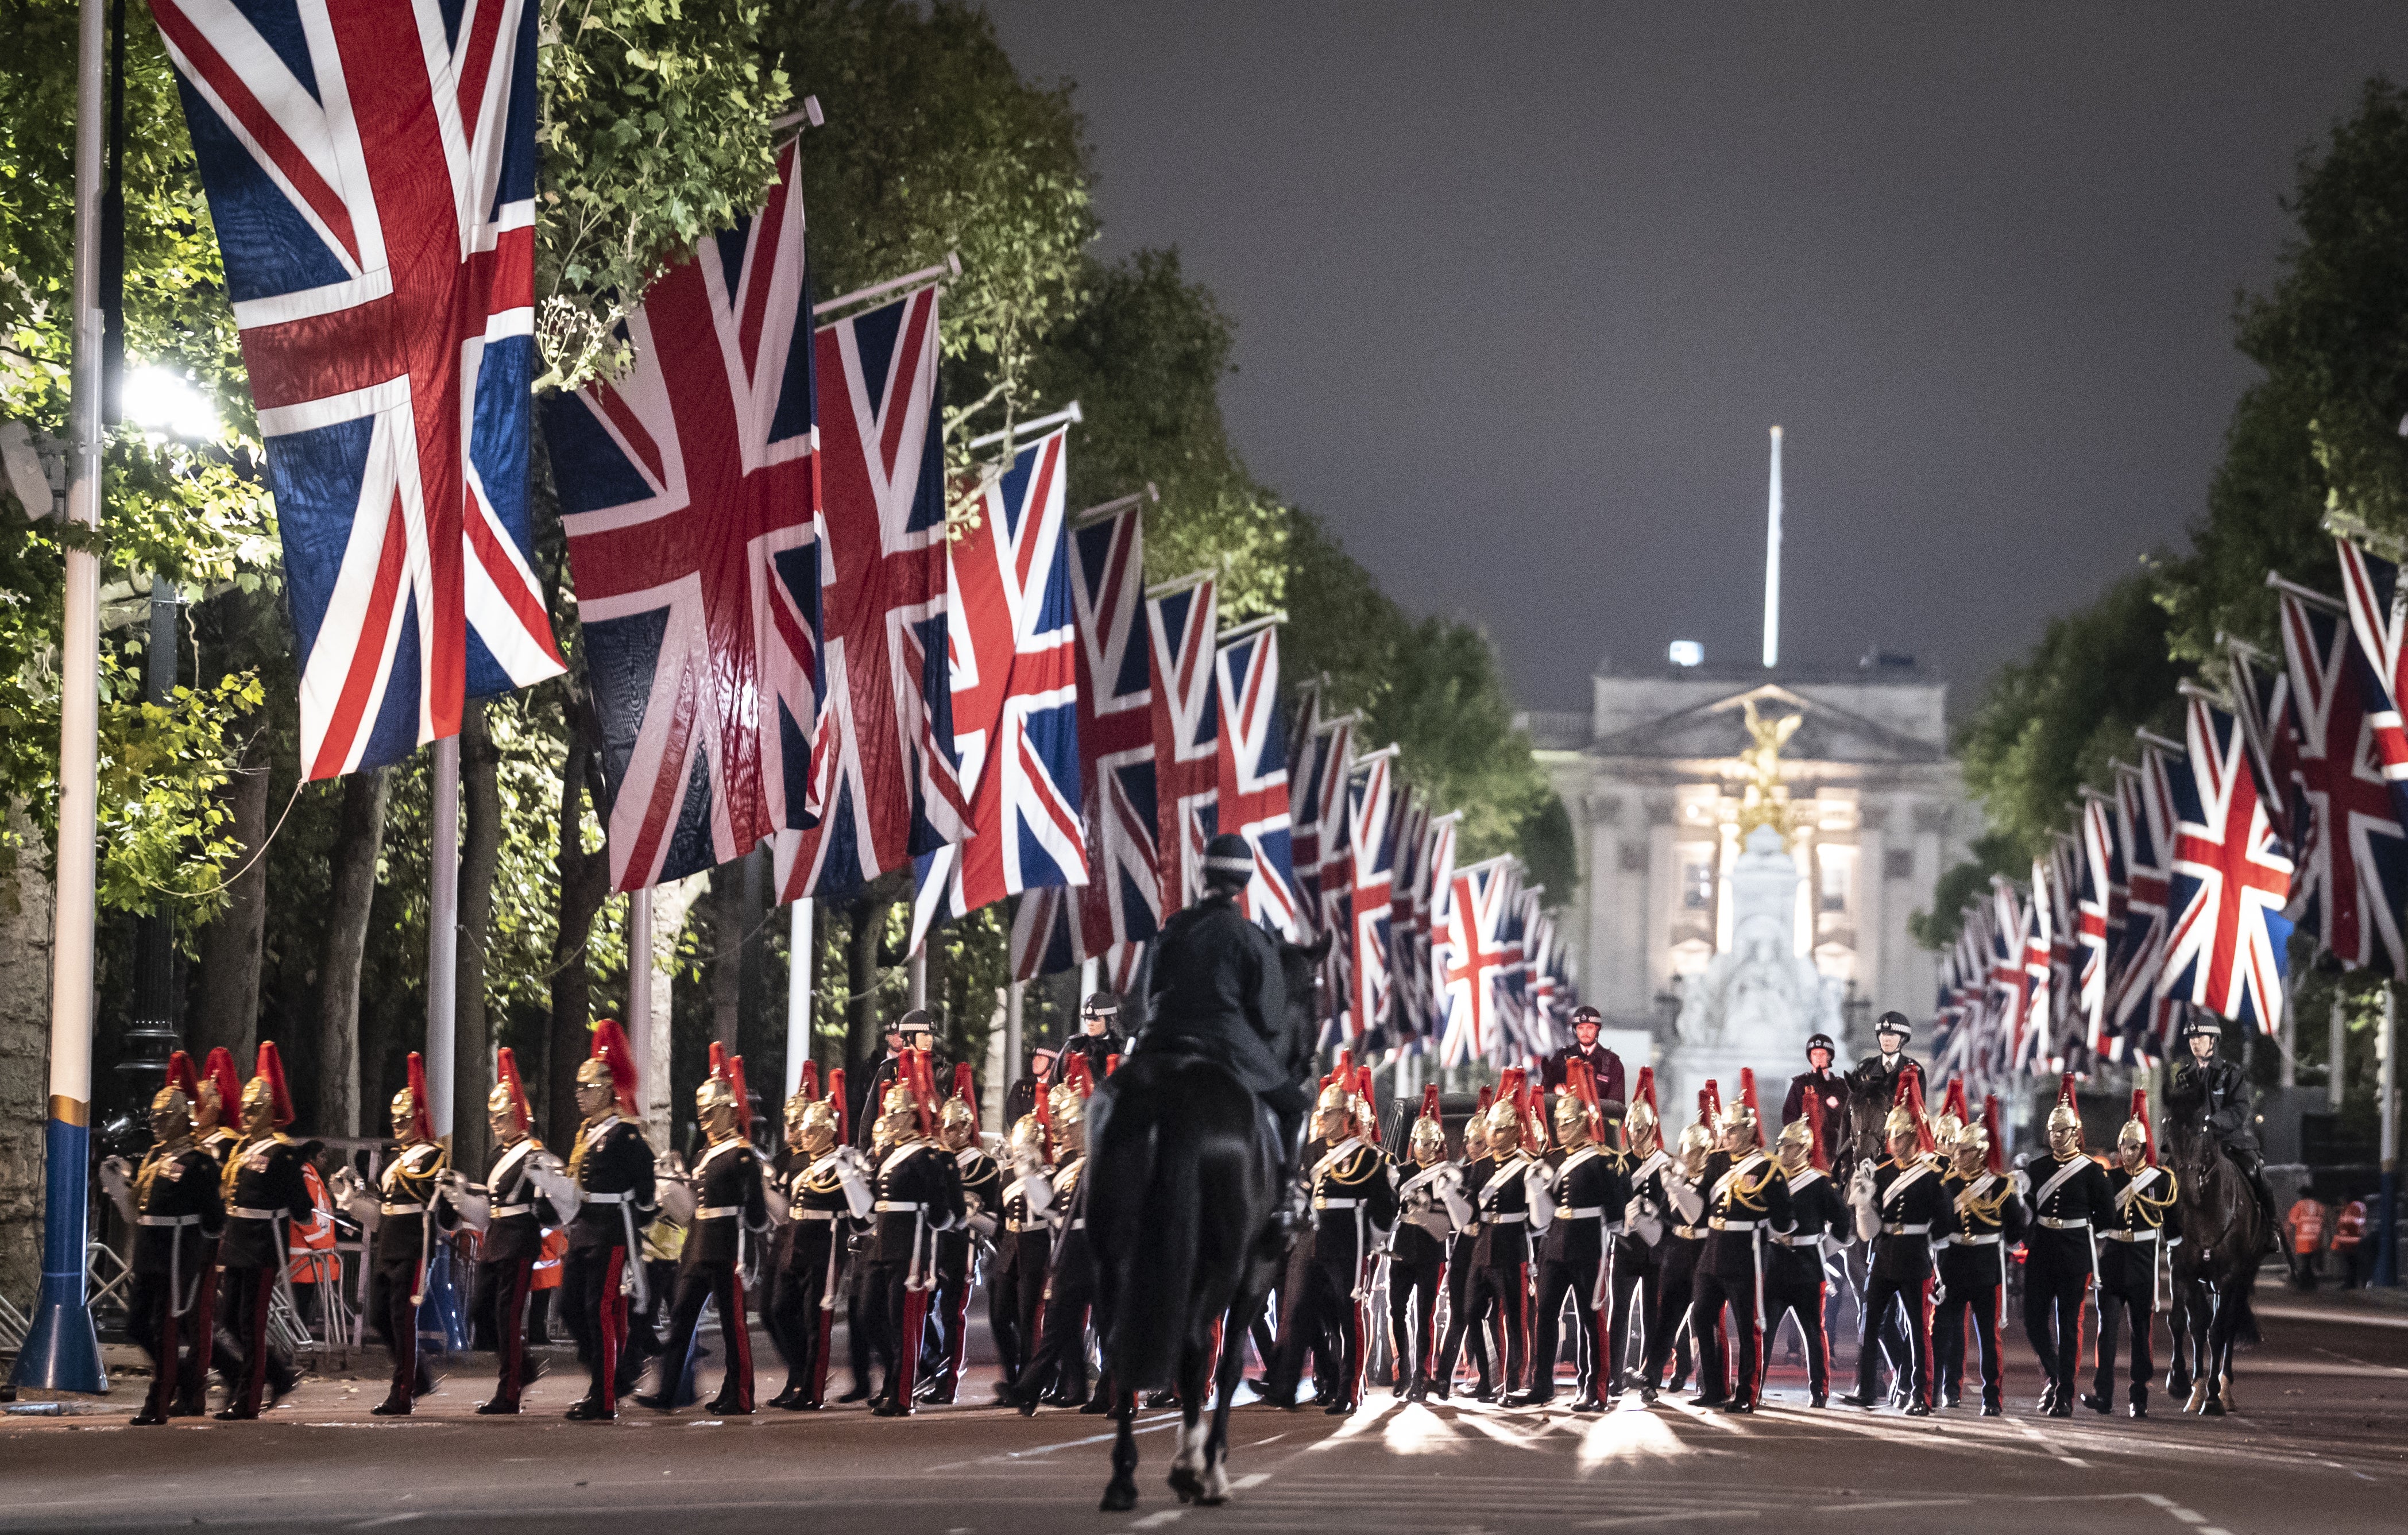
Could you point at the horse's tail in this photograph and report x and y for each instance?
(1148, 1222)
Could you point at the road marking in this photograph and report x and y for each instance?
(2195, 1520)
(388, 1519)
(1252, 1479)
(1155, 1521)
(1145, 1426)
(2046, 1443)
(2309, 1313)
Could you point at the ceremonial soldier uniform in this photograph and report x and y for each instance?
(214, 1114)
(1020, 1101)
(266, 1183)
(727, 1200)
(1973, 1259)
(1672, 1190)
(409, 1210)
(525, 1191)
(1470, 1309)
(1902, 1208)
(1792, 1269)
(827, 1193)
(1508, 1204)
(1056, 1371)
(1589, 1193)
(2068, 1195)
(2141, 1223)
(957, 1250)
(919, 1194)
(1637, 1270)
(1352, 1205)
(1023, 1248)
(1430, 1208)
(174, 1204)
(1746, 1198)
(611, 1165)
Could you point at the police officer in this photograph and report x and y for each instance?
(1605, 1067)
(1354, 1203)
(2141, 1223)
(2068, 1195)
(1589, 1193)
(1900, 1208)
(173, 1203)
(720, 1200)
(611, 1165)
(409, 1213)
(264, 1186)
(1097, 1038)
(827, 1194)
(1973, 1259)
(1023, 1248)
(1431, 1209)
(915, 1031)
(957, 1250)
(525, 1191)
(2209, 1093)
(1828, 1089)
(1746, 1198)
(1020, 1101)
(1793, 1269)
(1876, 1076)
(918, 1189)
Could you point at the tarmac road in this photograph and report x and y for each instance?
(2321, 1444)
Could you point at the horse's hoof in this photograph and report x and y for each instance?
(1118, 1498)
(1186, 1484)
(2198, 1402)
(2215, 1408)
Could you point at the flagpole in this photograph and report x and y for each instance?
(443, 938)
(798, 992)
(1015, 1004)
(61, 1351)
(652, 1053)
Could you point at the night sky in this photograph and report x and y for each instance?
(1520, 288)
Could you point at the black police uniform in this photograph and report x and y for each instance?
(1832, 1089)
(982, 1199)
(815, 1248)
(1915, 1212)
(516, 1215)
(1219, 993)
(2067, 1199)
(177, 1206)
(1604, 1062)
(264, 1182)
(612, 1167)
(919, 1188)
(1746, 1197)
(2141, 1223)
(1972, 1279)
(2213, 1096)
(1589, 1193)
(1100, 1049)
(1875, 1077)
(1792, 1269)
(1015, 1282)
(728, 1201)
(1430, 1207)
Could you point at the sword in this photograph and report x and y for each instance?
(643, 1286)
(827, 1315)
(915, 1318)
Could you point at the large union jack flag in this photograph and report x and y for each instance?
(2144, 827)
(1370, 894)
(1409, 1005)
(690, 493)
(1186, 729)
(370, 170)
(2372, 586)
(2225, 951)
(2100, 874)
(2352, 874)
(1015, 672)
(1473, 1029)
(882, 772)
(2007, 987)
(1253, 774)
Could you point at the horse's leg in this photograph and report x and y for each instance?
(1120, 1492)
(1187, 1465)
(2177, 1338)
(1215, 1490)
(2217, 1371)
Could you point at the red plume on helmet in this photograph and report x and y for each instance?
(2065, 1092)
(1343, 1072)
(806, 1082)
(1364, 1090)
(1487, 1097)
(1645, 1091)
(506, 1071)
(1747, 1094)
(219, 1072)
(919, 1079)
(1080, 1076)
(1998, 1163)
(182, 1078)
(965, 1089)
(617, 1057)
(1580, 1080)
(1818, 1154)
(1710, 1102)
(842, 1106)
(1534, 1117)
(2140, 1113)
(743, 1097)
(1910, 1088)
(1430, 1101)
(1953, 1104)
(280, 1097)
(421, 1113)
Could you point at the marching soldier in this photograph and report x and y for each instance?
(263, 1184)
(1636, 1268)
(525, 1191)
(2143, 1223)
(721, 1200)
(982, 1179)
(1431, 1209)
(1745, 1197)
(2069, 1196)
(1589, 1193)
(1056, 1373)
(1511, 1201)
(918, 1189)
(612, 1167)
(408, 1214)
(1471, 1308)
(827, 1191)
(173, 1203)
(1672, 1189)
(1900, 1208)
(1973, 1259)
(1793, 1274)
(1023, 1246)
(1830, 1092)
(1352, 1205)
(2211, 1093)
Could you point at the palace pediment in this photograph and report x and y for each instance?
(1716, 728)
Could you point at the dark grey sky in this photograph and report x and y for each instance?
(1520, 288)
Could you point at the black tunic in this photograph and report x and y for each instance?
(1989, 1220)
(518, 1212)
(1816, 1210)
(918, 1181)
(1745, 1195)
(1352, 1198)
(1832, 1088)
(1501, 1199)
(1219, 993)
(409, 1195)
(265, 1179)
(1424, 1222)
(1604, 1062)
(177, 1203)
(2068, 1197)
(611, 1160)
(1590, 1193)
(1915, 1212)
(727, 1200)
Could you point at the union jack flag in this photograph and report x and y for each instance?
(2262, 701)
(1409, 1005)
(2372, 586)
(1014, 671)
(2352, 860)
(2008, 984)
(2225, 951)
(1371, 830)
(1476, 958)
(883, 771)
(1438, 876)
(1186, 729)
(1322, 808)
(2144, 828)
(2101, 876)
(690, 493)
(370, 170)
(2031, 1042)
(1304, 825)
(1253, 774)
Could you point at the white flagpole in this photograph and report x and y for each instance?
(798, 992)
(443, 937)
(61, 1351)
(1772, 560)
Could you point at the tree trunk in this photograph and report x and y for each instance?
(584, 885)
(480, 851)
(234, 942)
(25, 902)
(350, 892)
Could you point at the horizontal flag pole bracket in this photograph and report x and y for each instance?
(1353, 716)
(808, 116)
(1253, 625)
(1117, 504)
(1068, 416)
(2306, 595)
(926, 277)
(1367, 758)
(1181, 584)
(2190, 689)
(2153, 739)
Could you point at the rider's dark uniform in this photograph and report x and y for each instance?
(1973, 1279)
(1219, 993)
(2141, 1223)
(1832, 1088)
(2068, 1195)
(2213, 1095)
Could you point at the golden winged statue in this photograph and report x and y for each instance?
(1764, 802)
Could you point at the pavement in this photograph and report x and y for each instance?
(2317, 1444)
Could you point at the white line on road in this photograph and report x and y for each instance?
(388, 1519)
(1252, 1479)
(1155, 1521)
(2317, 1313)
(2044, 1443)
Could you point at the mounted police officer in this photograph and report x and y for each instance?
(1876, 1075)
(2209, 1093)
(1605, 1067)
(1098, 1040)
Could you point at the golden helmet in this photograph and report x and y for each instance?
(1336, 1098)
(1504, 1116)
(1900, 1122)
(1639, 1121)
(808, 1118)
(715, 1093)
(2065, 1116)
(1797, 1137)
(1696, 1140)
(897, 1112)
(1571, 1118)
(1066, 1106)
(1028, 1139)
(1741, 1114)
(1429, 1143)
(1971, 1138)
(1946, 1127)
(171, 1099)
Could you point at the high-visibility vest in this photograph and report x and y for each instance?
(310, 1243)
(545, 1272)
(2350, 1227)
(2307, 1226)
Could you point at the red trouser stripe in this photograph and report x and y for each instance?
(511, 1332)
(740, 1347)
(613, 1316)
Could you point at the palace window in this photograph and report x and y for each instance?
(1835, 866)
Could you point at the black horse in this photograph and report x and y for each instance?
(1183, 1206)
(2214, 1270)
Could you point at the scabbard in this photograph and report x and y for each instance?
(643, 1285)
